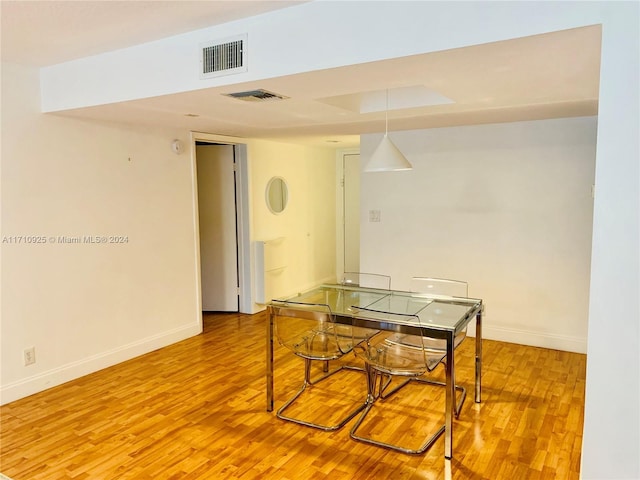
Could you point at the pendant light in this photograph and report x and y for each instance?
(387, 157)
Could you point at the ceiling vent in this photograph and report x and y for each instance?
(259, 95)
(223, 57)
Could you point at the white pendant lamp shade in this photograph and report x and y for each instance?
(387, 158)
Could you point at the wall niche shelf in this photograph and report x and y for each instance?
(270, 264)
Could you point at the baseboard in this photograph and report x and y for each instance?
(523, 337)
(65, 373)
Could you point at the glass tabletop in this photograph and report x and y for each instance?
(438, 312)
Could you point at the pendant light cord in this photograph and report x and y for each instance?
(386, 116)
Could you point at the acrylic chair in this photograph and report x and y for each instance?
(308, 330)
(384, 358)
(443, 288)
(367, 280)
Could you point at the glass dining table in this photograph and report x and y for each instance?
(441, 317)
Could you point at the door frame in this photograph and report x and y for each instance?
(216, 171)
(245, 295)
(340, 220)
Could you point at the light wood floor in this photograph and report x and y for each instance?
(196, 410)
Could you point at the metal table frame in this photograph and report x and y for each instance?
(437, 331)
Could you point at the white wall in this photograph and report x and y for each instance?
(612, 426)
(305, 231)
(506, 207)
(611, 442)
(86, 306)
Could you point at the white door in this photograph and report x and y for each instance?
(218, 239)
(351, 203)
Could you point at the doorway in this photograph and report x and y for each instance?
(351, 211)
(217, 213)
(243, 231)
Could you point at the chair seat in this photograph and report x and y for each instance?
(394, 356)
(434, 345)
(348, 335)
(316, 345)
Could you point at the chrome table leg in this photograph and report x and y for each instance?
(269, 366)
(449, 397)
(478, 386)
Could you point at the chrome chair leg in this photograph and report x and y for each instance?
(308, 382)
(375, 380)
(384, 394)
(372, 376)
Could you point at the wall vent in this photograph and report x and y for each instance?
(259, 95)
(223, 57)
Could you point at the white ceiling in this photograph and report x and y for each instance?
(53, 31)
(544, 76)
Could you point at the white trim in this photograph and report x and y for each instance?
(565, 343)
(74, 370)
(196, 228)
(244, 238)
(246, 304)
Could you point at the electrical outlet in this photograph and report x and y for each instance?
(29, 356)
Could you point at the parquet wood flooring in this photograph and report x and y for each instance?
(196, 410)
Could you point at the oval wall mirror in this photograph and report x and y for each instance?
(277, 195)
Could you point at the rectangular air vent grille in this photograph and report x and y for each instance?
(223, 58)
(259, 95)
